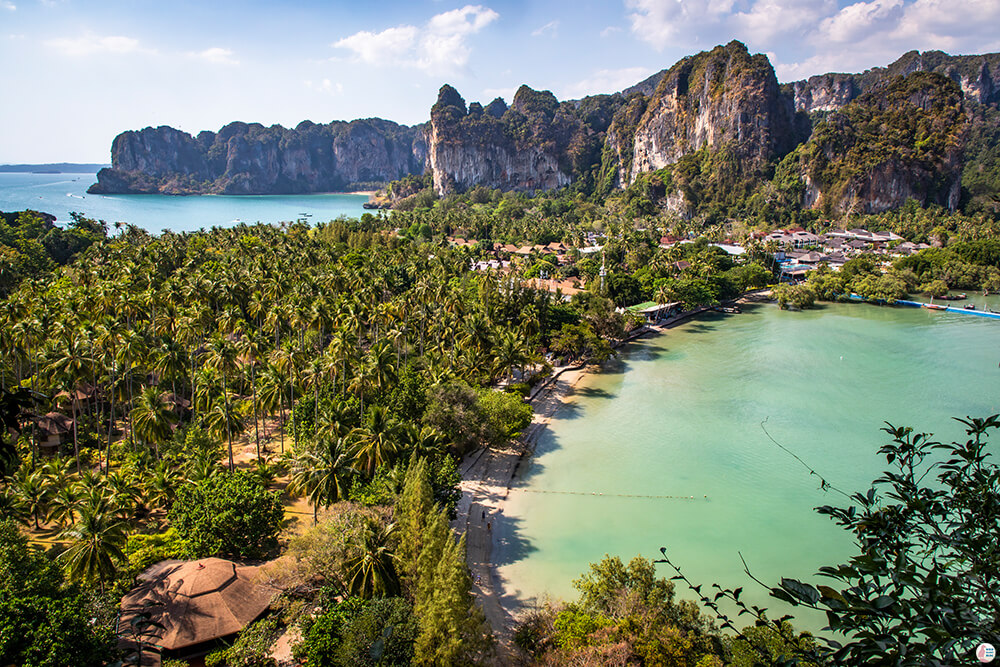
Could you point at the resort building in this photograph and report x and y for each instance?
(198, 603)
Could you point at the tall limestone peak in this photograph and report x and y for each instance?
(510, 149)
(901, 140)
(448, 98)
(723, 98)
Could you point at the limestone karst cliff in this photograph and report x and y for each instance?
(706, 134)
(537, 143)
(901, 140)
(720, 98)
(978, 76)
(246, 158)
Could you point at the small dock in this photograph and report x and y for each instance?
(951, 309)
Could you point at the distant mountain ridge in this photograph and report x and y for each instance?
(720, 112)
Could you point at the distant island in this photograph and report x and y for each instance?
(52, 168)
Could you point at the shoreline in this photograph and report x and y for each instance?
(489, 474)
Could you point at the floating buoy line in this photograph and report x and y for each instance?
(613, 495)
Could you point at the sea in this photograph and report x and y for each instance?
(717, 439)
(61, 194)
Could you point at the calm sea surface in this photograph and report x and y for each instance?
(681, 415)
(59, 194)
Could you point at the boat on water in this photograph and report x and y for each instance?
(954, 297)
(727, 309)
(969, 306)
(935, 306)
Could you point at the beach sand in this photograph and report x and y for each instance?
(487, 476)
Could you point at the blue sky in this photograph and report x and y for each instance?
(74, 74)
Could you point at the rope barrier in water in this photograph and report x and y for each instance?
(613, 495)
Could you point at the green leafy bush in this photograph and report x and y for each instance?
(229, 514)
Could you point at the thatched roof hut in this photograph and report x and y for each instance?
(197, 602)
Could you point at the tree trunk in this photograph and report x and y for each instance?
(111, 427)
(76, 444)
(253, 388)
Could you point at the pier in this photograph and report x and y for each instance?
(951, 309)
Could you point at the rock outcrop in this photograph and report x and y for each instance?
(703, 135)
(902, 140)
(535, 144)
(719, 98)
(978, 77)
(246, 158)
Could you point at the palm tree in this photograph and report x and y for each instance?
(222, 355)
(97, 542)
(64, 504)
(508, 353)
(31, 492)
(201, 467)
(423, 440)
(323, 475)
(72, 366)
(371, 562)
(376, 443)
(159, 487)
(121, 490)
(250, 349)
(272, 396)
(152, 418)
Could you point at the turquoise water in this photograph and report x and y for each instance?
(680, 415)
(59, 194)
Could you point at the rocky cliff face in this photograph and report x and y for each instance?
(977, 76)
(252, 159)
(724, 98)
(902, 140)
(715, 127)
(536, 144)
(824, 92)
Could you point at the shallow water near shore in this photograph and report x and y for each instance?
(665, 446)
(59, 194)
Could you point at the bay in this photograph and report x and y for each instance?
(671, 444)
(59, 194)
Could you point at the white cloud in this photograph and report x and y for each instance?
(676, 22)
(439, 47)
(606, 81)
(388, 47)
(551, 28)
(963, 26)
(816, 36)
(861, 20)
(217, 56)
(92, 44)
(767, 20)
(8, 6)
(875, 33)
(610, 30)
(326, 86)
(704, 23)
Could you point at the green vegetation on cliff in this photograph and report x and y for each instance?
(905, 134)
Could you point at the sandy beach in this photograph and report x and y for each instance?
(487, 476)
